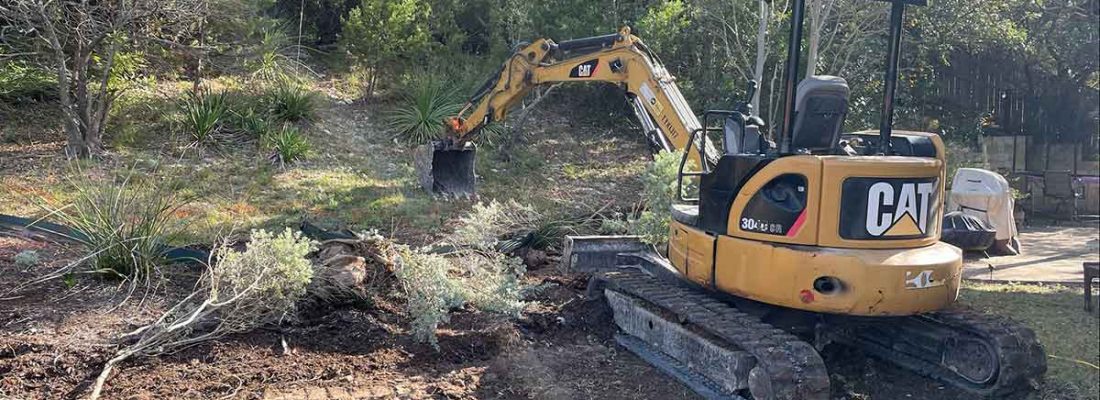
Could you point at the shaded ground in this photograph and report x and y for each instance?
(1049, 254)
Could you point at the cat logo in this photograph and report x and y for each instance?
(899, 209)
(585, 69)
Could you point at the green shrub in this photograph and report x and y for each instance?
(125, 226)
(659, 190)
(430, 292)
(20, 82)
(272, 273)
(420, 116)
(291, 103)
(26, 259)
(203, 115)
(487, 223)
(288, 145)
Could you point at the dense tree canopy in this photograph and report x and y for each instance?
(1025, 66)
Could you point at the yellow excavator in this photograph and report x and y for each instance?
(824, 237)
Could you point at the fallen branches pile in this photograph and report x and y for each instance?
(238, 292)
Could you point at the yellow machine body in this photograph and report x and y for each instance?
(901, 272)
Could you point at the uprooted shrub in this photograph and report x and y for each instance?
(435, 284)
(488, 223)
(240, 291)
(473, 272)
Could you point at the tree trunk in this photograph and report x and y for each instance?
(819, 13)
(371, 82)
(815, 36)
(761, 54)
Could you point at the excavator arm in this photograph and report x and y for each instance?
(621, 58)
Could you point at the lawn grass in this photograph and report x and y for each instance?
(1070, 336)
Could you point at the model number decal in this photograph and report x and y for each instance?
(921, 280)
(761, 226)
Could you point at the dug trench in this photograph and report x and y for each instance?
(54, 340)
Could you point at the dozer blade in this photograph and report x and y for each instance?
(598, 253)
(447, 170)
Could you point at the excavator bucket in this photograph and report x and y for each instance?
(447, 170)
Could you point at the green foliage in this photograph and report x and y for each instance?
(250, 123)
(125, 225)
(380, 33)
(659, 190)
(292, 103)
(487, 223)
(271, 55)
(26, 259)
(663, 25)
(267, 279)
(434, 285)
(431, 293)
(20, 82)
(288, 145)
(419, 118)
(204, 114)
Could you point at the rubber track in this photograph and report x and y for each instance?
(796, 370)
(1021, 358)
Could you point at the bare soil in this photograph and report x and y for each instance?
(54, 339)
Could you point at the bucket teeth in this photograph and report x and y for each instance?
(446, 170)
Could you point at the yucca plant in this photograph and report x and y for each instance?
(420, 117)
(288, 145)
(250, 123)
(203, 115)
(288, 102)
(125, 226)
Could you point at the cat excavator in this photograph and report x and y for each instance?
(786, 246)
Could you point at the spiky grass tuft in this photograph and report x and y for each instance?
(420, 117)
(291, 103)
(204, 114)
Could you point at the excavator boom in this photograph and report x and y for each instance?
(447, 166)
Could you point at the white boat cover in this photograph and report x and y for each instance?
(986, 195)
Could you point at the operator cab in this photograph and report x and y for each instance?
(819, 119)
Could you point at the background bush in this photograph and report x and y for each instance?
(659, 192)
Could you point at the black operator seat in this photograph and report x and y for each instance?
(741, 139)
(819, 114)
(687, 214)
